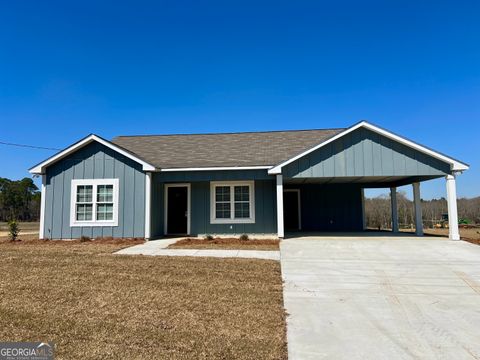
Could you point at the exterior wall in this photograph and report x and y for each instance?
(95, 161)
(265, 201)
(365, 153)
(330, 207)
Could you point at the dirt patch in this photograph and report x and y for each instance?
(94, 304)
(468, 234)
(33, 240)
(226, 244)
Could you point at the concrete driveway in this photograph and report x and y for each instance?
(381, 298)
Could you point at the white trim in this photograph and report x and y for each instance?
(165, 216)
(94, 183)
(43, 202)
(148, 204)
(233, 220)
(218, 168)
(453, 231)
(40, 168)
(454, 164)
(280, 225)
(299, 206)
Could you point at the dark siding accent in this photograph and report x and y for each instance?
(330, 207)
(95, 161)
(365, 153)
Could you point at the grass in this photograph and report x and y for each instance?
(93, 304)
(226, 244)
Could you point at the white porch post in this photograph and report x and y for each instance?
(43, 200)
(364, 217)
(418, 209)
(393, 199)
(148, 203)
(280, 229)
(452, 208)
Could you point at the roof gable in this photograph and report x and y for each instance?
(40, 168)
(455, 165)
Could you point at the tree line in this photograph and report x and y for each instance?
(434, 212)
(19, 200)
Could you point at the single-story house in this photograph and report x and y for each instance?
(233, 183)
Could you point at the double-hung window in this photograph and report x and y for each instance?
(232, 202)
(94, 202)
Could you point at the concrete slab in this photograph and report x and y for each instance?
(159, 248)
(381, 298)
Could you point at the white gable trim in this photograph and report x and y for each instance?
(455, 165)
(40, 168)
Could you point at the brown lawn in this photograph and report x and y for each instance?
(226, 244)
(93, 304)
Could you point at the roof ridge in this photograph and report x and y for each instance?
(228, 133)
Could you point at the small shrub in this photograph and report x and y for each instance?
(244, 237)
(208, 237)
(85, 238)
(13, 230)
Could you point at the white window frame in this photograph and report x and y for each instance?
(94, 183)
(232, 220)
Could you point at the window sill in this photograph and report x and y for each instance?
(232, 221)
(93, 223)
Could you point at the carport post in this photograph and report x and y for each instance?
(452, 208)
(393, 198)
(418, 209)
(280, 230)
(364, 217)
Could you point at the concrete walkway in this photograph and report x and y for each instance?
(159, 248)
(381, 298)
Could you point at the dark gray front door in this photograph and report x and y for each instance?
(177, 207)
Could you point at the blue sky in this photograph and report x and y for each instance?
(70, 68)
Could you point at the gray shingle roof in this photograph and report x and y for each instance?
(227, 149)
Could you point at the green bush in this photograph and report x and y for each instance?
(208, 237)
(13, 230)
(244, 237)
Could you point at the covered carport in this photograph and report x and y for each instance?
(322, 189)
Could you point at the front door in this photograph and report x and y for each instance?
(291, 209)
(177, 210)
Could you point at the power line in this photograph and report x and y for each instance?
(28, 146)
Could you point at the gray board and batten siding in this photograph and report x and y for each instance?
(265, 201)
(364, 153)
(95, 161)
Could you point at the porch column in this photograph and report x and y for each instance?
(452, 208)
(364, 217)
(418, 209)
(148, 202)
(280, 229)
(393, 199)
